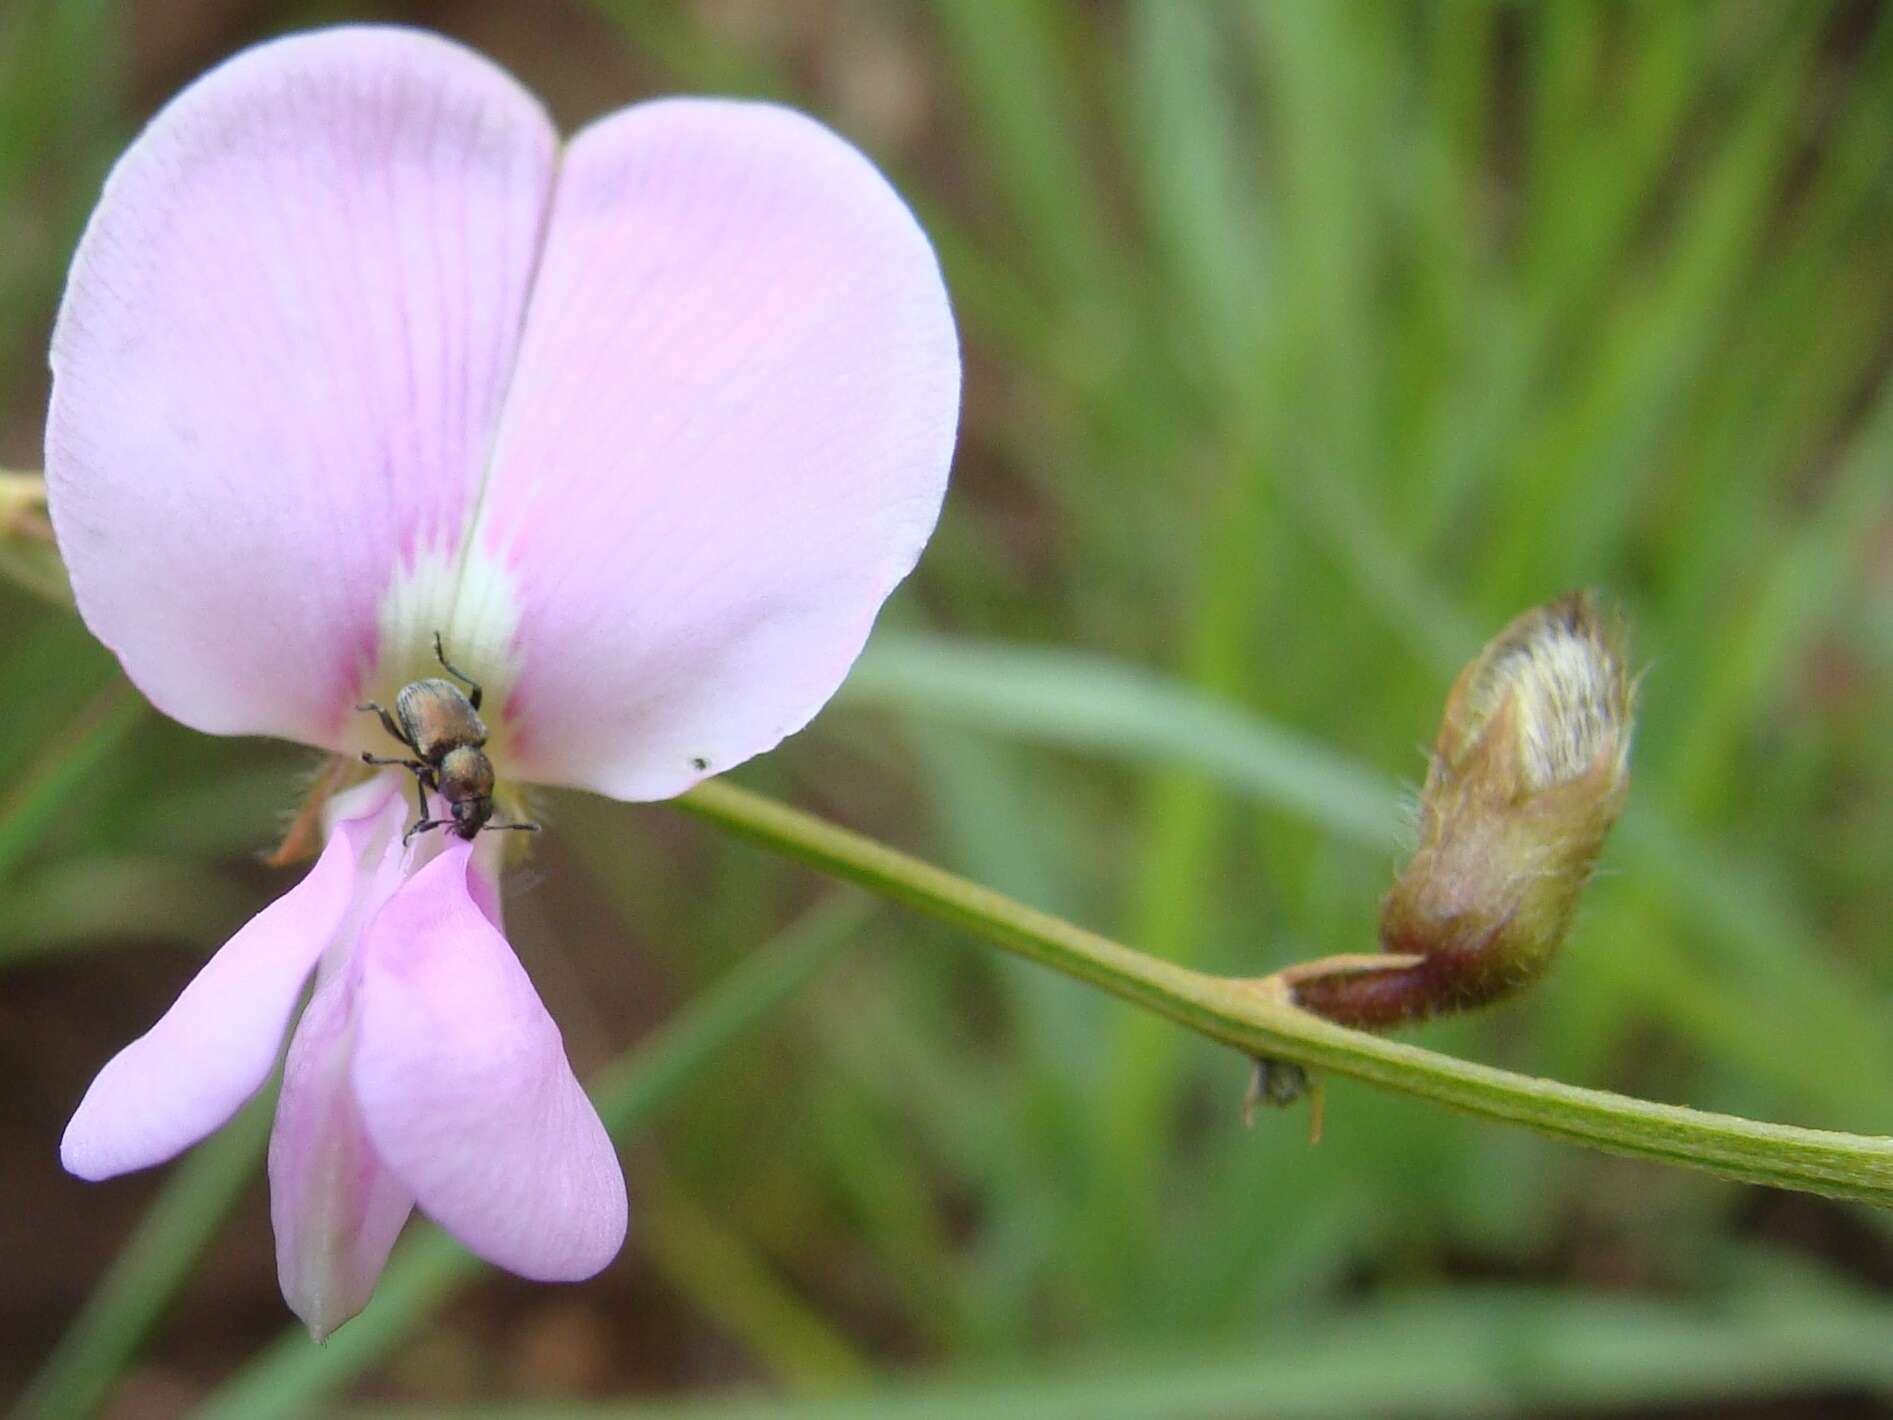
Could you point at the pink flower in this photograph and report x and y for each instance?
(647, 425)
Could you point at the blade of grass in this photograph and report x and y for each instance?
(716, 1268)
(1811, 343)
(1796, 592)
(885, 1192)
(986, 291)
(284, 1381)
(988, 804)
(33, 803)
(962, 1113)
(1574, 484)
(1184, 128)
(149, 1269)
(1075, 701)
(669, 36)
(1580, 230)
(1183, 82)
(1020, 78)
(1430, 1354)
(91, 902)
(1326, 74)
(1172, 899)
(49, 671)
(62, 82)
(1323, 70)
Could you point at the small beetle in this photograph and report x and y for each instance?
(444, 729)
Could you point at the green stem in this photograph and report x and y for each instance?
(1249, 1017)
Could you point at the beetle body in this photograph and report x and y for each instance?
(442, 725)
(436, 718)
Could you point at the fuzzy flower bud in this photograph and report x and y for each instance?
(1529, 772)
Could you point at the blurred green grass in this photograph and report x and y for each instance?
(1306, 344)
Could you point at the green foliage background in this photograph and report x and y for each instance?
(1306, 344)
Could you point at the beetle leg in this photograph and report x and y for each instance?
(388, 724)
(423, 776)
(423, 781)
(380, 759)
(473, 686)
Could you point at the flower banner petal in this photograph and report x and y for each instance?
(189, 1073)
(463, 1084)
(279, 364)
(726, 442)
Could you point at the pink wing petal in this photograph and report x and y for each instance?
(211, 1051)
(463, 1085)
(284, 343)
(336, 1208)
(726, 442)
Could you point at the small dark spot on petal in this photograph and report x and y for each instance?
(697, 761)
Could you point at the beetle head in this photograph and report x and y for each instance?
(466, 783)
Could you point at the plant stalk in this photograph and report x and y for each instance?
(1254, 1017)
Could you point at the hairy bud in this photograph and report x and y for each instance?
(1529, 772)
